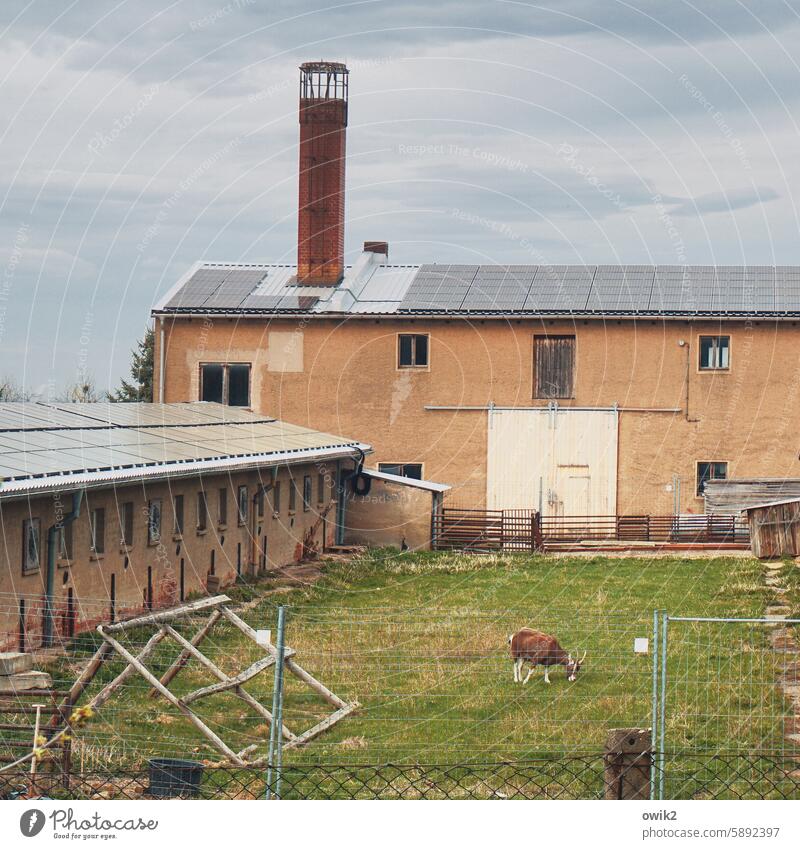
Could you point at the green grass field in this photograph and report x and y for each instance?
(419, 640)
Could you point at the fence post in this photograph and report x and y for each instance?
(628, 762)
(663, 706)
(275, 757)
(654, 706)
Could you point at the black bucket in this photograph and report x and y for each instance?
(171, 777)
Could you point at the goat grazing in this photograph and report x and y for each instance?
(537, 648)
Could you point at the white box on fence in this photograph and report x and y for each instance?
(264, 636)
(641, 645)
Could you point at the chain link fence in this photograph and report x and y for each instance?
(719, 776)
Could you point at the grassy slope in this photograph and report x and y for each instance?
(419, 641)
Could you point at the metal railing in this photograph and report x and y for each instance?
(527, 530)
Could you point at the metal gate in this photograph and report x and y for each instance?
(723, 687)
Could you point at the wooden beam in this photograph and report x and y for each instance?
(324, 725)
(216, 671)
(81, 683)
(184, 656)
(103, 696)
(229, 683)
(173, 700)
(315, 685)
(166, 615)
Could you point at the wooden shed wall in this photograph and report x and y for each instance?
(775, 530)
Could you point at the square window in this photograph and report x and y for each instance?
(715, 353)
(554, 366)
(223, 383)
(412, 350)
(710, 471)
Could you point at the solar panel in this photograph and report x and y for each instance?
(496, 288)
(204, 282)
(439, 288)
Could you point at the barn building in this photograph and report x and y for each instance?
(111, 508)
(580, 390)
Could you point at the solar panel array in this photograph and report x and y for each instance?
(604, 289)
(39, 440)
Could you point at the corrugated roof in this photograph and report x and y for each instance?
(583, 290)
(49, 444)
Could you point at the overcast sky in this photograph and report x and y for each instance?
(139, 137)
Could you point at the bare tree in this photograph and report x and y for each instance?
(10, 390)
(83, 391)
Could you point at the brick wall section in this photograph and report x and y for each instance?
(286, 534)
(350, 384)
(320, 236)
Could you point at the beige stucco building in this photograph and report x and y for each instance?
(584, 409)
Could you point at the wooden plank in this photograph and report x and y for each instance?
(166, 615)
(173, 700)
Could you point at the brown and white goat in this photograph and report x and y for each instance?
(537, 648)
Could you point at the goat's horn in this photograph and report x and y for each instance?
(583, 658)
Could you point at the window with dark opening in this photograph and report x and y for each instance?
(714, 352)
(177, 506)
(202, 511)
(31, 536)
(222, 517)
(292, 495)
(322, 488)
(65, 546)
(711, 471)
(554, 366)
(412, 350)
(212, 379)
(241, 506)
(154, 521)
(404, 470)
(126, 522)
(276, 497)
(307, 492)
(225, 384)
(260, 502)
(97, 526)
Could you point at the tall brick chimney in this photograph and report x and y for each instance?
(323, 122)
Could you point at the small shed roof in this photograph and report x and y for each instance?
(431, 486)
(765, 504)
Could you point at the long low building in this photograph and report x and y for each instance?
(109, 508)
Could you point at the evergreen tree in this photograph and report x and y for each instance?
(141, 388)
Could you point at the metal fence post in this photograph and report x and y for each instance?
(663, 708)
(275, 758)
(654, 708)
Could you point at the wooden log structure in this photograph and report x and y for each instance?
(628, 759)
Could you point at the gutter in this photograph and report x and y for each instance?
(189, 468)
(52, 543)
